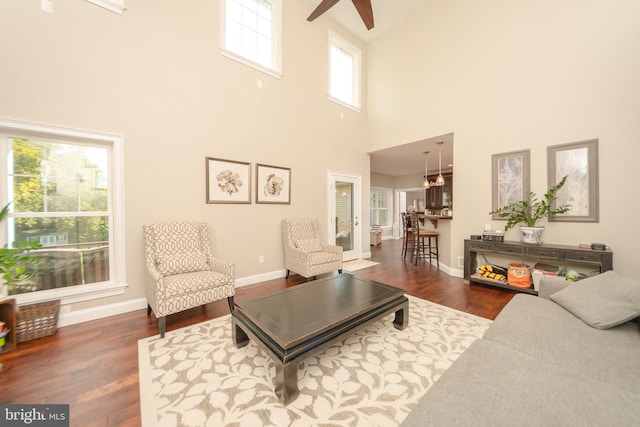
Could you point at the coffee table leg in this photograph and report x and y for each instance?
(402, 317)
(240, 338)
(287, 382)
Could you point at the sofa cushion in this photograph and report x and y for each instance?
(309, 245)
(543, 329)
(493, 385)
(602, 301)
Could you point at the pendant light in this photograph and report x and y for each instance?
(440, 179)
(425, 184)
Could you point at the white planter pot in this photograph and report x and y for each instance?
(531, 235)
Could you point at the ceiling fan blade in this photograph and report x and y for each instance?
(366, 12)
(322, 8)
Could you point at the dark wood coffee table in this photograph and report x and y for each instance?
(296, 322)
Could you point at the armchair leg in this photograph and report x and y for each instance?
(287, 276)
(148, 309)
(231, 305)
(162, 325)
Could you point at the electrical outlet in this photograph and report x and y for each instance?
(460, 261)
(261, 259)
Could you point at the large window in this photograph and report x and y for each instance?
(379, 207)
(63, 192)
(251, 33)
(344, 71)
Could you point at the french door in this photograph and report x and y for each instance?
(345, 212)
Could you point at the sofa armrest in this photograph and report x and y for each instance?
(550, 285)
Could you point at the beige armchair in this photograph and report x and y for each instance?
(304, 252)
(185, 274)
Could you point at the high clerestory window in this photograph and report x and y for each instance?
(250, 33)
(344, 71)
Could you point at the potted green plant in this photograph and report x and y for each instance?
(530, 210)
(13, 261)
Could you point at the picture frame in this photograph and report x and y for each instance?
(228, 181)
(579, 162)
(510, 179)
(273, 184)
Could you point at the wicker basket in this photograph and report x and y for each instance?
(37, 320)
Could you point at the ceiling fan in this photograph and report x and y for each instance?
(363, 6)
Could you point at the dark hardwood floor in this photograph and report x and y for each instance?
(93, 366)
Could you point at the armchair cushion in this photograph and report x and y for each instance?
(179, 263)
(309, 245)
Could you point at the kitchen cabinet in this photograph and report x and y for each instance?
(438, 197)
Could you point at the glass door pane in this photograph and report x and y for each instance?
(344, 215)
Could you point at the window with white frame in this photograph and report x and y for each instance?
(344, 71)
(379, 207)
(63, 188)
(250, 33)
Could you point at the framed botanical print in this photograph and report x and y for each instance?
(273, 184)
(510, 176)
(228, 181)
(578, 161)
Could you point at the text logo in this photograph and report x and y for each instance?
(34, 415)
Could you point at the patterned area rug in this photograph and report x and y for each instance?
(195, 376)
(357, 264)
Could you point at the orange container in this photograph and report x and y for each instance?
(519, 275)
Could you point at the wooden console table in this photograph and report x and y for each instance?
(603, 260)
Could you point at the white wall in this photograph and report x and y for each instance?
(155, 76)
(505, 75)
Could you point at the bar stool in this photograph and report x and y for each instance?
(407, 237)
(422, 242)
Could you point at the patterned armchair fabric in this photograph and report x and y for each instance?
(304, 252)
(185, 274)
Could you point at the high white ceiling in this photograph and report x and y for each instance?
(409, 159)
(386, 14)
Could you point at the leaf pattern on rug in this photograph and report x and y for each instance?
(196, 376)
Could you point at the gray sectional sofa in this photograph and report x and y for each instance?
(569, 357)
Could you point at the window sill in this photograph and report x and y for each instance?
(73, 294)
(232, 55)
(113, 6)
(344, 104)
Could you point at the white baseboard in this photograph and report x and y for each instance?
(68, 317)
(252, 280)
